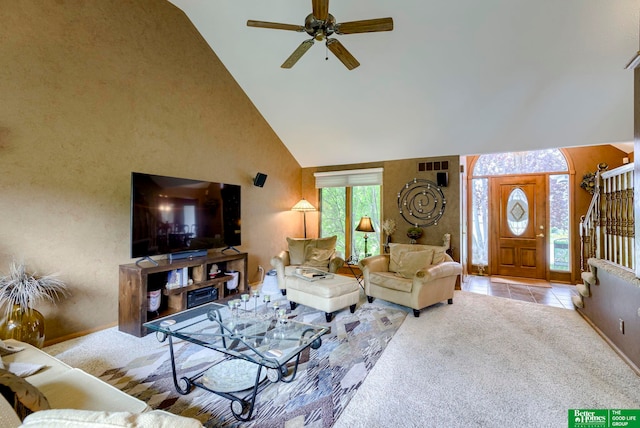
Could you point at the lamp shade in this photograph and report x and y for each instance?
(365, 225)
(303, 206)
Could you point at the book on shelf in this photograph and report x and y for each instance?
(177, 278)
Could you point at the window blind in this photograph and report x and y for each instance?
(349, 178)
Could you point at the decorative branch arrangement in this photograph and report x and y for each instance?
(24, 289)
(389, 226)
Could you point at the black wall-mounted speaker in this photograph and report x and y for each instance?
(260, 179)
(442, 179)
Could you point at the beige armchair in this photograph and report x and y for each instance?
(412, 275)
(318, 253)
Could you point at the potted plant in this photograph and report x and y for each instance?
(414, 233)
(19, 291)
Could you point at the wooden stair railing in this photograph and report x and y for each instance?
(607, 229)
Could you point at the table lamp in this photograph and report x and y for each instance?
(365, 226)
(304, 207)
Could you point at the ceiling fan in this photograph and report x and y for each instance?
(320, 24)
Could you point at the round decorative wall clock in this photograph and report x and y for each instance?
(421, 202)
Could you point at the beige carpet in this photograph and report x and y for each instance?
(520, 281)
(491, 362)
(482, 362)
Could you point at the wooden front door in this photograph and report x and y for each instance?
(518, 222)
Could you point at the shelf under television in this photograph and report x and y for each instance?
(213, 281)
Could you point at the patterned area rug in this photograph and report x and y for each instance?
(327, 378)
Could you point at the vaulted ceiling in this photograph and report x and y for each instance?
(452, 78)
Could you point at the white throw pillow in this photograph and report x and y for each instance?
(413, 261)
(397, 251)
(70, 418)
(297, 249)
(26, 397)
(318, 258)
(8, 417)
(438, 256)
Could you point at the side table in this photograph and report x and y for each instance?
(357, 274)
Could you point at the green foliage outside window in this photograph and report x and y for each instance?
(333, 210)
(365, 200)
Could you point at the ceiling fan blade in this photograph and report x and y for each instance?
(320, 9)
(274, 25)
(365, 26)
(342, 53)
(297, 54)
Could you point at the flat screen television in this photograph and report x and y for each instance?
(171, 214)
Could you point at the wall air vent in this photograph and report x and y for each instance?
(433, 166)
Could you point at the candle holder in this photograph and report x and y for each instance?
(266, 298)
(255, 294)
(282, 317)
(232, 322)
(275, 305)
(245, 299)
(234, 306)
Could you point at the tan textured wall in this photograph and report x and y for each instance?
(396, 174)
(92, 90)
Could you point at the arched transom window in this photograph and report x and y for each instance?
(549, 160)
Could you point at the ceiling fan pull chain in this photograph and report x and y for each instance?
(326, 52)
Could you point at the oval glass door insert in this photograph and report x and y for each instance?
(517, 211)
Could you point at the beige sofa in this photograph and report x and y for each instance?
(318, 253)
(412, 275)
(77, 398)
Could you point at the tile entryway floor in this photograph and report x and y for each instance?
(559, 295)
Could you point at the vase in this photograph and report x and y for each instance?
(25, 325)
(414, 235)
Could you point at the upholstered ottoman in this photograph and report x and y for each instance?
(326, 294)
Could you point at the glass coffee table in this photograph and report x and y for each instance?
(258, 348)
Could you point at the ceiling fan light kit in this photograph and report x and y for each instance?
(320, 24)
